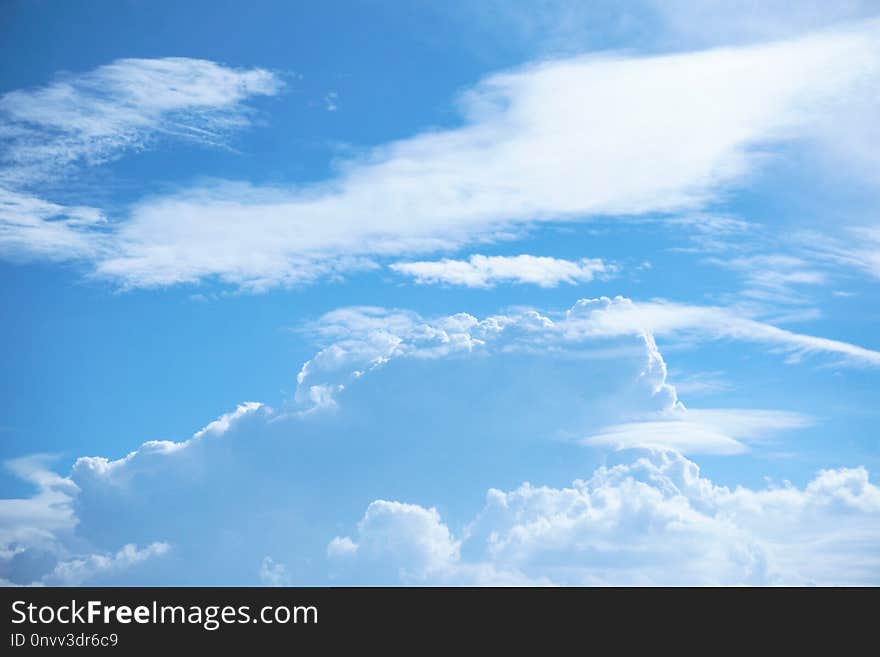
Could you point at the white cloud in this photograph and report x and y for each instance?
(366, 339)
(858, 247)
(653, 521)
(41, 528)
(145, 457)
(561, 140)
(702, 383)
(31, 226)
(487, 271)
(97, 116)
(598, 317)
(410, 544)
(91, 118)
(557, 141)
(273, 573)
(362, 339)
(774, 277)
(592, 371)
(702, 431)
(414, 536)
(75, 572)
(37, 520)
(341, 546)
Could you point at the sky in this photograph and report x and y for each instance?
(408, 293)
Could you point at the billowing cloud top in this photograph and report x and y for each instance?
(640, 522)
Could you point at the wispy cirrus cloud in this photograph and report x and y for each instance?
(565, 139)
(87, 119)
(856, 248)
(775, 277)
(614, 316)
(100, 115)
(562, 140)
(700, 431)
(34, 227)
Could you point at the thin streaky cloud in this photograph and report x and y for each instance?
(97, 116)
(565, 139)
(487, 271)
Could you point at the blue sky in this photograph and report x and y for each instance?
(390, 293)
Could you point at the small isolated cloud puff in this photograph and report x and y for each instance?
(273, 573)
(654, 521)
(487, 271)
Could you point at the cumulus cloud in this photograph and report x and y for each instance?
(362, 339)
(365, 339)
(37, 520)
(145, 457)
(521, 394)
(39, 541)
(487, 271)
(410, 544)
(37, 534)
(653, 521)
(75, 572)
